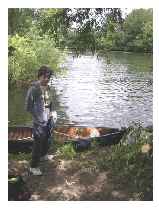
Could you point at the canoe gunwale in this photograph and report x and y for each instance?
(66, 137)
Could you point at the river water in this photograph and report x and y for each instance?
(111, 90)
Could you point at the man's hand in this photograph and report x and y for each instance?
(53, 114)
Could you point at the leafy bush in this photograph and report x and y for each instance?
(32, 51)
(130, 163)
(67, 151)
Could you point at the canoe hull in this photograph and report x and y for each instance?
(110, 139)
(20, 146)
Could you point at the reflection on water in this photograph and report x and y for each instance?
(95, 93)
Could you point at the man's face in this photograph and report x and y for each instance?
(44, 79)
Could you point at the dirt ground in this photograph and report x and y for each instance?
(66, 180)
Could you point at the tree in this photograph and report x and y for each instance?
(148, 36)
(138, 30)
(84, 24)
(19, 20)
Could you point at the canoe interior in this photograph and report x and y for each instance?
(84, 131)
(63, 134)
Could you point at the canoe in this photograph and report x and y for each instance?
(82, 137)
(20, 138)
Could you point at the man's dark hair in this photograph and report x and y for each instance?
(44, 70)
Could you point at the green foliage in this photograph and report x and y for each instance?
(19, 20)
(67, 151)
(20, 156)
(138, 30)
(148, 36)
(53, 22)
(32, 51)
(128, 163)
(135, 34)
(87, 29)
(75, 28)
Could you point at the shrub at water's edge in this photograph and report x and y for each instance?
(131, 162)
(30, 52)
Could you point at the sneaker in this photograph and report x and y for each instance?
(36, 171)
(46, 158)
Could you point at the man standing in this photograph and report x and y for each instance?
(39, 103)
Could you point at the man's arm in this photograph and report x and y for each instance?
(29, 100)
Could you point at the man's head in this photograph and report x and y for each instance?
(44, 75)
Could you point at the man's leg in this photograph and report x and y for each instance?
(37, 146)
(45, 142)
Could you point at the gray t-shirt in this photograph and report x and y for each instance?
(39, 103)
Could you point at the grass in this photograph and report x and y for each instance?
(20, 156)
